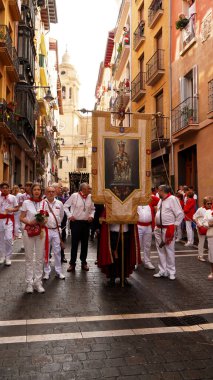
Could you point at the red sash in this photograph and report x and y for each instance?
(170, 231)
(9, 216)
(144, 224)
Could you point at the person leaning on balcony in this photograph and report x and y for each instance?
(8, 205)
(208, 222)
(189, 210)
(201, 230)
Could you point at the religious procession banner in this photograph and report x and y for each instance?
(121, 164)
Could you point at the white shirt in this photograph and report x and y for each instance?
(116, 227)
(208, 218)
(8, 202)
(32, 208)
(199, 215)
(144, 214)
(80, 208)
(172, 212)
(58, 209)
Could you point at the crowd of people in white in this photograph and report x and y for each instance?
(37, 218)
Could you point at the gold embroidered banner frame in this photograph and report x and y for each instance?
(121, 165)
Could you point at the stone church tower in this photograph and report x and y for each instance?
(75, 130)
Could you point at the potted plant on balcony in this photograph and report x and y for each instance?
(188, 114)
(182, 22)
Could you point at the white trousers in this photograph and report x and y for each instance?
(210, 246)
(54, 243)
(6, 240)
(34, 269)
(17, 223)
(145, 238)
(166, 254)
(179, 233)
(189, 232)
(201, 243)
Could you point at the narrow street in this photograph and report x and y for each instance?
(82, 329)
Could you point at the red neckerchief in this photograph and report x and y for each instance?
(5, 196)
(36, 200)
(82, 195)
(168, 195)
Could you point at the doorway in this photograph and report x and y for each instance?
(187, 167)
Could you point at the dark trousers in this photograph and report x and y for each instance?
(63, 234)
(80, 233)
(115, 269)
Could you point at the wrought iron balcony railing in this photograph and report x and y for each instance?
(184, 114)
(138, 34)
(5, 39)
(155, 64)
(155, 7)
(138, 84)
(210, 96)
(160, 133)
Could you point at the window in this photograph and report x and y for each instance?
(142, 110)
(159, 108)
(70, 92)
(63, 72)
(81, 163)
(63, 92)
(60, 164)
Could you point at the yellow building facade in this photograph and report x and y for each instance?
(150, 77)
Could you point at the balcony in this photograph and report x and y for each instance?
(210, 99)
(138, 87)
(7, 121)
(121, 59)
(138, 36)
(155, 12)
(15, 9)
(5, 45)
(187, 39)
(43, 137)
(13, 69)
(122, 17)
(160, 133)
(28, 16)
(185, 118)
(155, 68)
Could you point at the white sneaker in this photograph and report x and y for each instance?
(8, 262)
(159, 274)
(60, 276)
(39, 288)
(177, 240)
(149, 266)
(187, 244)
(201, 258)
(29, 289)
(2, 261)
(46, 276)
(172, 277)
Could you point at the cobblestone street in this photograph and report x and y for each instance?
(82, 329)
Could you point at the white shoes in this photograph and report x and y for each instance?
(46, 276)
(172, 277)
(201, 258)
(188, 244)
(1, 261)
(29, 289)
(8, 262)
(60, 276)
(177, 240)
(159, 274)
(39, 288)
(149, 266)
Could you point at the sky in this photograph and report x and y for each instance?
(83, 27)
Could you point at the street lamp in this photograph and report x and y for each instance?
(48, 97)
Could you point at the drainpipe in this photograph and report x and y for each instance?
(130, 58)
(172, 175)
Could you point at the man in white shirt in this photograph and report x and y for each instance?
(80, 211)
(8, 205)
(56, 214)
(168, 216)
(145, 228)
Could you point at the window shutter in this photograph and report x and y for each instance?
(182, 81)
(195, 80)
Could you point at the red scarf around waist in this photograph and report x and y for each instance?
(170, 231)
(144, 224)
(11, 217)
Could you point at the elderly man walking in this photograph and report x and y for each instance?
(169, 215)
(80, 211)
(201, 230)
(56, 214)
